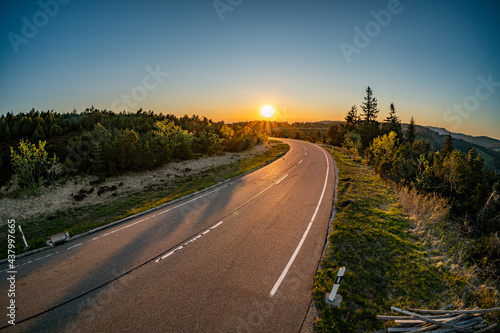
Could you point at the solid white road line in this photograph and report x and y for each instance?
(292, 259)
(72, 247)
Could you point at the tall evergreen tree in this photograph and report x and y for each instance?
(369, 107)
(448, 145)
(411, 135)
(392, 122)
(369, 128)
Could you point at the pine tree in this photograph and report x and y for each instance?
(352, 115)
(410, 132)
(369, 128)
(448, 145)
(392, 122)
(369, 107)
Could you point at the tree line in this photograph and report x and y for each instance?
(472, 190)
(42, 146)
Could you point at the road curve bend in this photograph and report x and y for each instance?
(238, 258)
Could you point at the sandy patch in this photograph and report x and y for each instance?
(61, 196)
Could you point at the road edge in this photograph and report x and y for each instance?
(312, 311)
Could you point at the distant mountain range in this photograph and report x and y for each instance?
(482, 141)
(489, 148)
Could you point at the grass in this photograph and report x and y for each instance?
(79, 220)
(387, 263)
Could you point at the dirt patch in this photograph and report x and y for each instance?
(91, 190)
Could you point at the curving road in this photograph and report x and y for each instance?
(240, 257)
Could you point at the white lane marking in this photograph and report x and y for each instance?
(164, 211)
(279, 181)
(48, 255)
(301, 161)
(215, 226)
(197, 198)
(292, 259)
(188, 242)
(72, 247)
(305, 154)
(120, 229)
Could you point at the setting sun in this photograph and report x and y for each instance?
(267, 111)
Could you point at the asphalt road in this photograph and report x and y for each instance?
(240, 257)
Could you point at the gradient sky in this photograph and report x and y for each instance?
(432, 59)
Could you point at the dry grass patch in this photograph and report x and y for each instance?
(448, 247)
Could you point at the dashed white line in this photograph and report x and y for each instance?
(301, 161)
(279, 181)
(48, 255)
(29, 262)
(189, 242)
(215, 226)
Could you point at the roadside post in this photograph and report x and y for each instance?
(24, 238)
(332, 298)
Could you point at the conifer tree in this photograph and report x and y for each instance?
(410, 132)
(392, 122)
(369, 107)
(448, 145)
(352, 116)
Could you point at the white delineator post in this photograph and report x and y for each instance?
(336, 286)
(24, 239)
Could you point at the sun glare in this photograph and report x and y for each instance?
(267, 111)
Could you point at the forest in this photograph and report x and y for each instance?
(471, 189)
(38, 148)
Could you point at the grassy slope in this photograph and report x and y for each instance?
(80, 220)
(386, 264)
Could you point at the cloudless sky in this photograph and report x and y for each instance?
(437, 61)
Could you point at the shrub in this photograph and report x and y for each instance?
(31, 164)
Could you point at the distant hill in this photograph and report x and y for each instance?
(482, 141)
(489, 148)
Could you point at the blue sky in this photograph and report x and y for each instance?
(438, 62)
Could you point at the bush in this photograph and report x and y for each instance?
(31, 164)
